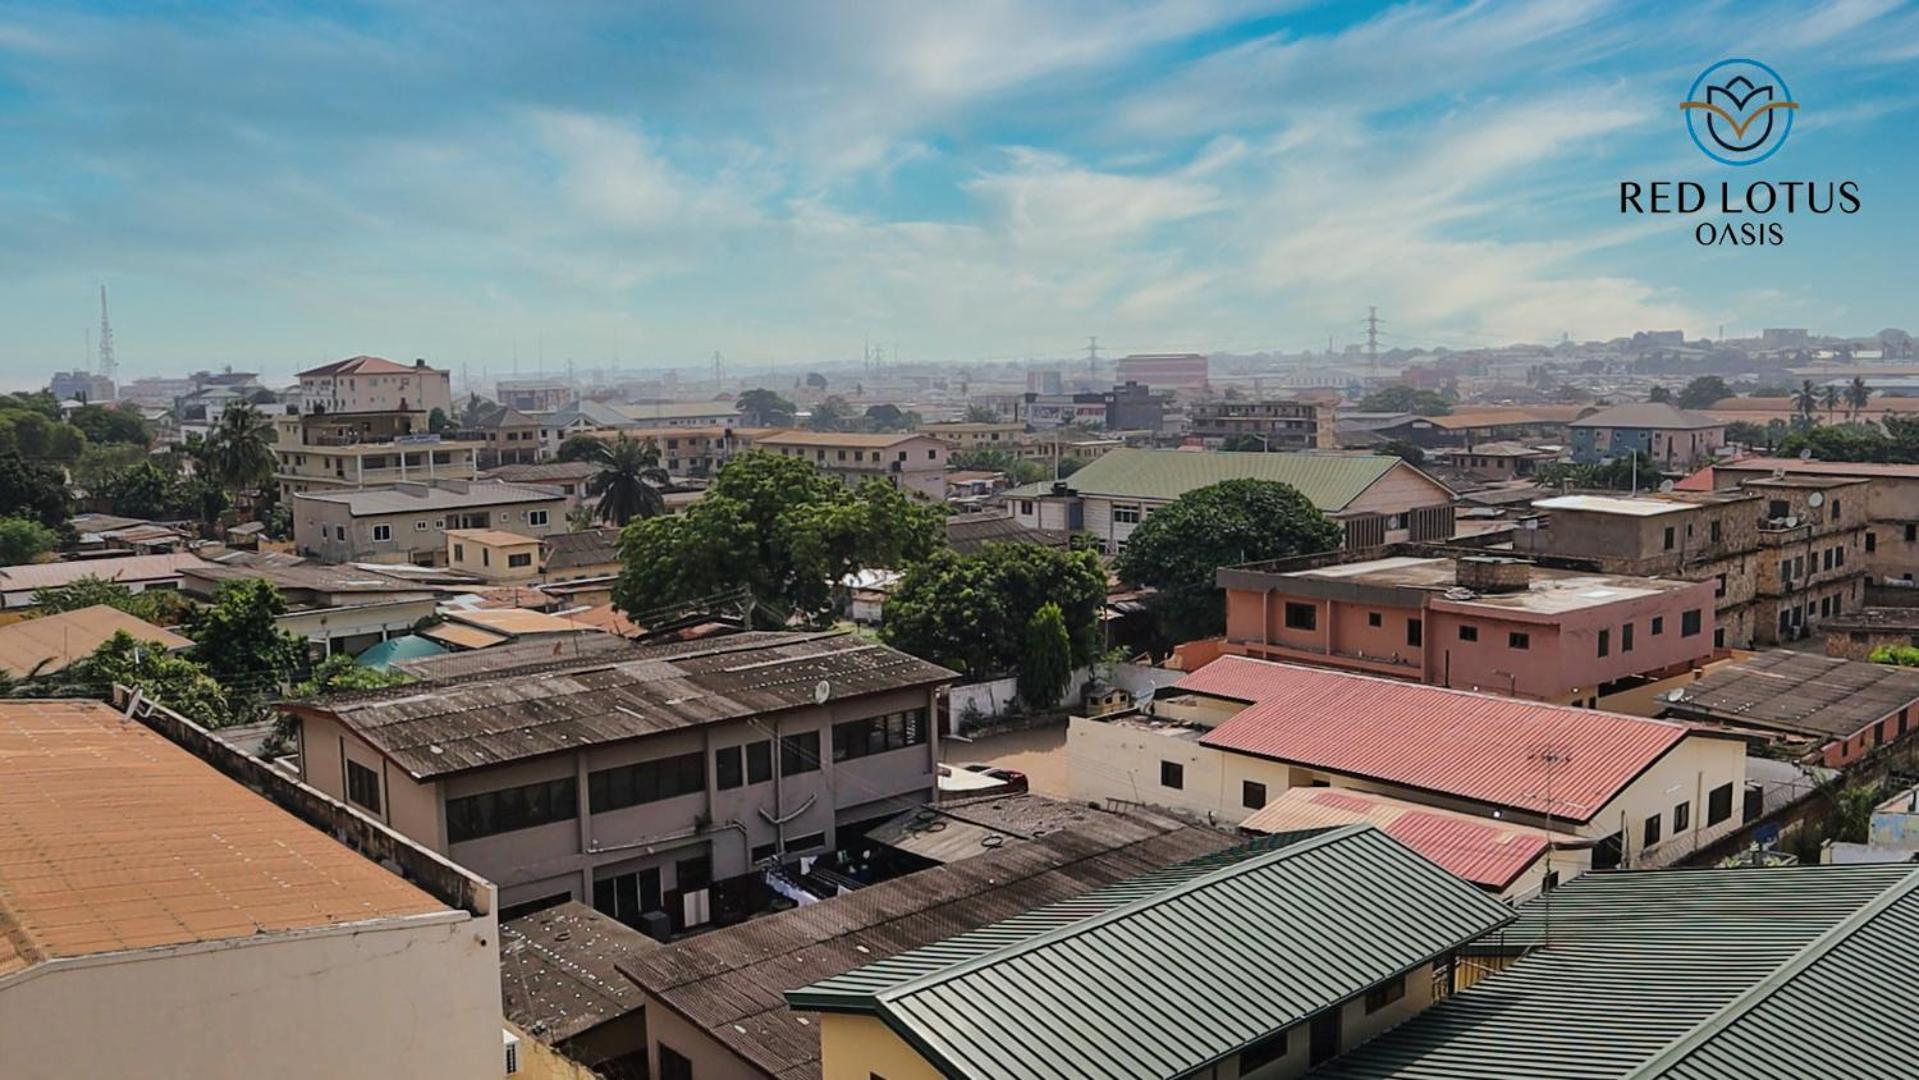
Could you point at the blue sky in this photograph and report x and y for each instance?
(273, 185)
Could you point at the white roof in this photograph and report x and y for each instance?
(1612, 504)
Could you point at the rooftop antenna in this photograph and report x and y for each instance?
(108, 365)
(1547, 757)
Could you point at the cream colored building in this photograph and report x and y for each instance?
(158, 918)
(374, 384)
(1239, 732)
(495, 555)
(348, 451)
(912, 462)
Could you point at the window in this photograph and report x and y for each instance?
(1374, 619)
(1385, 993)
(878, 734)
(1835, 509)
(1681, 817)
(1652, 831)
(459, 553)
(1252, 794)
(759, 761)
(1301, 616)
(1658, 625)
(339, 533)
(1912, 533)
(1872, 542)
(1260, 1054)
(363, 786)
(420, 525)
(1414, 636)
(1669, 537)
(1719, 804)
(1828, 559)
(536, 517)
(799, 753)
(1718, 637)
(1468, 633)
(1605, 643)
(674, 1065)
(729, 768)
(1839, 555)
(486, 557)
(1713, 531)
(490, 813)
(1689, 623)
(382, 533)
(1125, 514)
(522, 559)
(806, 843)
(1026, 506)
(1785, 569)
(1719, 586)
(645, 782)
(693, 873)
(1625, 638)
(1172, 774)
(1519, 640)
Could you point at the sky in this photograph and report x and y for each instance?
(493, 187)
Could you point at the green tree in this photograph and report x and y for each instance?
(1848, 442)
(1047, 666)
(103, 424)
(888, 418)
(33, 491)
(1896, 655)
(1179, 549)
(1747, 433)
(1245, 444)
(175, 682)
(1806, 400)
(968, 611)
(1660, 395)
(22, 540)
(148, 491)
(1857, 394)
(1408, 452)
(781, 528)
(1703, 392)
(629, 479)
(830, 414)
(91, 591)
(1829, 397)
(239, 451)
(981, 414)
(761, 407)
(1406, 399)
(582, 447)
(1019, 470)
(240, 644)
(340, 673)
(437, 420)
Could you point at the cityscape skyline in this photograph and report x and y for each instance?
(986, 184)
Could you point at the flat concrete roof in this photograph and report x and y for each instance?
(1548, 591)
(1612, 504)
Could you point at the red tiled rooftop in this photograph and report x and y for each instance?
(1455, 742)
(359, 365)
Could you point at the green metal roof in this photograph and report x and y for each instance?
(1330, 480)
(397, 650)
(1786, 972)
(1187, 966)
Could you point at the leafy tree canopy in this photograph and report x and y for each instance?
(1019, 470)
(176, 682)
(1180, 547)
(239, 643)
(1703, 391)
(582, 447)
(830, 414)
(1047, 667)
(103, 424)
(1406, 399)
(981, 414)
(33, 491)
(340, 673)
(969, 612)
(778, 526)
(22, 540)
(761, 407)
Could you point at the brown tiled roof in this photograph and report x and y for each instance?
(830, 439)
(361, 365)
(113, 838)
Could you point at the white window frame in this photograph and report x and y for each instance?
(379, 539)
(536, 517)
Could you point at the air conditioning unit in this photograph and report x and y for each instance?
(512, 1043)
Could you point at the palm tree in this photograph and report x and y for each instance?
(239, 451)
(1829, 396)
(1857, 394)
(629, 480)
(1806, 400)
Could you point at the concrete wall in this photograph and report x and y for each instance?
(418, 536)
(415, 997)
(862, 1047)
(711, 1059)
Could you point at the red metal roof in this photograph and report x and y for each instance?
(1486, 852)
(1469, 745)
(358, 365)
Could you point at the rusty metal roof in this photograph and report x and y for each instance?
(1799, 693)
(732, 983)
(558, 973)
(1475, 746)
(443, 729)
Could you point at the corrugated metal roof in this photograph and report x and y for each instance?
(1787, 973)
(420, 498)
(1800, 693)
(518, 657)
(442, 729)
(590, 547)
(969, 533)
(48, 644)
(37, 576)
(1330, 481)
(1485, 851)
(1647, 414)
(559, 972)
(1184, 973)
(1456, 742)
(730, 983)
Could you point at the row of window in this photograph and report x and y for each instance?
(489, 813)
(879, 734)
(383, 533)
(1691, 622)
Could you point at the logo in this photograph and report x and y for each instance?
(1739, 112)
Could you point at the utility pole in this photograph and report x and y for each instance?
(109, 366)
(1092, 355)
(1372, 338)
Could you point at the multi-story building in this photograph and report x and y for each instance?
(172, 907)
(910, 461)
(508, 437)
(969, 437)
(81, 386)
(1891, 542)
(1377, 498)
(1672, 437)
(322, 450)
(1164, 371)
(407, 523)
(1278, 424)
(1499, 625)
(650, 783)
(535, 395)
(1131, 407)
(333, 609)
(681, 414)
(1781, 554)
(372, 384)
(494, 556)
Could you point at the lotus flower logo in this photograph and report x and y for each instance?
(1739, 112)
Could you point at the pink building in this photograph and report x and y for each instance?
(1494, 624)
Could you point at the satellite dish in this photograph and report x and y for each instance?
(1665, 487)
(822, 691)
(1805, 455)
(1816, 500)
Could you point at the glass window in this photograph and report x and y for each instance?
(363, 786)
(1689, 623)
(759, 761)
(1469, 633)
(1172, 774)
(1681, 817)
(1301, 616)
(729, 770)
(493, 812)
(646, 781)
(1519, 640)
(1252, 794)
(799, 753)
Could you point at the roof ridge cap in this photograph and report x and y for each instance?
(1814, 951)
(1131, 907)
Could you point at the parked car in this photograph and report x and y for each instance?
(977, 778)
